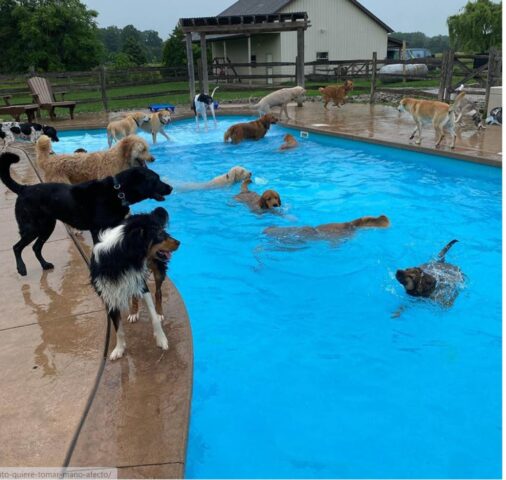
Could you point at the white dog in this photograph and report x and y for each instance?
(234, 175)
(279, 98)
(200, 104)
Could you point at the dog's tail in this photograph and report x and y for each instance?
(227, 135)
(215, 88)
(442, 253)
(245, 183)
(6, 160)
(381, 221)
(43, 148)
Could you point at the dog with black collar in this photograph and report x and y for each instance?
(125, 126)
(92, 205)
(201, 103)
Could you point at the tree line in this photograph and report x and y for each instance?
(58, 35)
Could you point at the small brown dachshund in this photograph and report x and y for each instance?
(269, 200)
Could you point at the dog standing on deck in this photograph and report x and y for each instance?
(119, 268)
(200, 104)
(439, 114)
(26, 132)
(280, 98)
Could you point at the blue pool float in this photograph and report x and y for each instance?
(154, 107)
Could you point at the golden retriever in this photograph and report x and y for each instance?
(290, 142)
(234, 175)
(125, 126)
(156, 124)
(269, 200)
(336, 93)
(439, 114)
(254, 130)
(328, 230)
(131, 151)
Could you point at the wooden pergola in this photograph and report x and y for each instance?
(243, 24)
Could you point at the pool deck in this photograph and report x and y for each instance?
(62, 401)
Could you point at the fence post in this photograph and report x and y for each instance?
(448, 75)
(373, 76)
(442, 79)
(490, 76)
(403, 55)
(103, 87)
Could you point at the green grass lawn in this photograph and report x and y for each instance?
(172, 92)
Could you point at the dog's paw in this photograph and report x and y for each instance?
(48, 266)
(133, 317)
(22, 271)
(117, 353)
(161, 341)
(418, 142)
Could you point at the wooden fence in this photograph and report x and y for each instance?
(104, 85)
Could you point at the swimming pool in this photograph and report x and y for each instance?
(300, 371)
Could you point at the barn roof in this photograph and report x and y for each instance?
(256, 7)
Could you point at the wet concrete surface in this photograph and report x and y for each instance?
(53, 334)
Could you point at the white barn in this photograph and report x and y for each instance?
(340, 30)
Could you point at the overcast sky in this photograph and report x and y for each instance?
(427, 16)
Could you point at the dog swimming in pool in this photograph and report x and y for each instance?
(437, 279)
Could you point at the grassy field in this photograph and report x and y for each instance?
(172, 93)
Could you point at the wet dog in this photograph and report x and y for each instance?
(156, 124)
(437, 279)
(131, 151)
(234, 175)
(254, 130)
(90, 206)
(119, 268)
(118, 129)
(268, 201)
(26, 132)
(439, 114)
(336, 93)
(327, 231)
(290, 142)
(200, 104)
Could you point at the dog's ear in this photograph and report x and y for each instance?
(160, 215)
(263, 202)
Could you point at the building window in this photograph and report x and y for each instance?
(253, 59)
(322, 56)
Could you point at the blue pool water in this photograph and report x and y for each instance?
(300, 371)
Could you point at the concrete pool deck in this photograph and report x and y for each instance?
(62, 401)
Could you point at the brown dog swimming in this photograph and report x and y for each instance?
(437, 280)
(327, 231)
(269, 200)
(290, 142)
(254, 130)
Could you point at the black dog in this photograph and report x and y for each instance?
(119, 268)
(437, 280)
(28, 132)
(90, 205)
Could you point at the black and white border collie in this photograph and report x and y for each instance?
(119, 269)
(200, 104)
(26, 132)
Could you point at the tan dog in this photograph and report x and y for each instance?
(439, 114)
(279, 98)
(269, 200)
(125, 126)
(156, 124)
(254, 130)
(234, 175)
(131, 151)
(290, 142)
(328, 230)
(336, 93)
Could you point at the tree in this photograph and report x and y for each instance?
(48, 35)
(174, 50)
(478, 28)
(153, 45)
(134, 50)
(111, 38)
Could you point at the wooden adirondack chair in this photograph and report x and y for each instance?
(43, 95)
